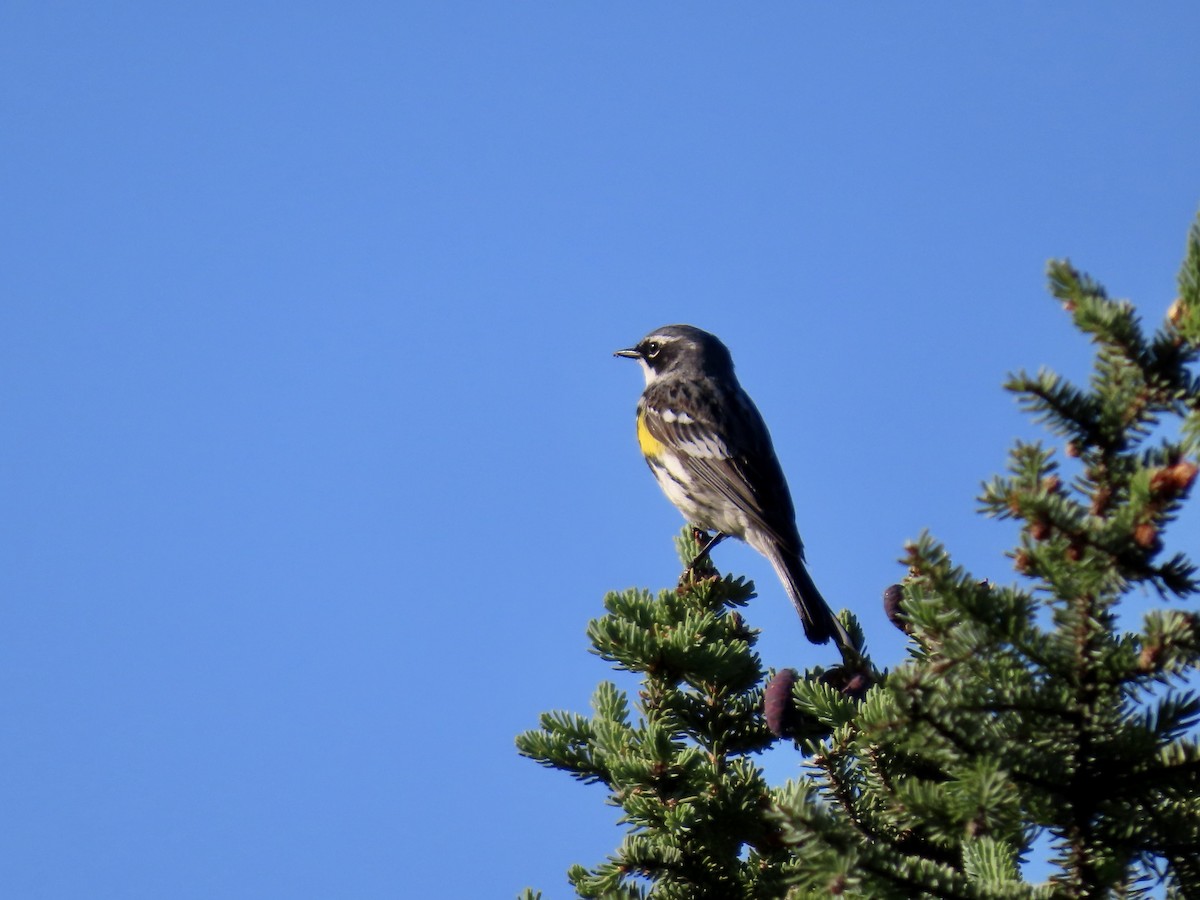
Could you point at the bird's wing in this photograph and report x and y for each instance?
(725, 443)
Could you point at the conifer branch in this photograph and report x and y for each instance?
(1023, 710)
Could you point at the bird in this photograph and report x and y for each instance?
(712, 455)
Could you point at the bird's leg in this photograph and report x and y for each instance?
(710, 541)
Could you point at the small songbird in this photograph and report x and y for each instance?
(710, 450)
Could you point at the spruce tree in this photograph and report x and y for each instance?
(1024, 711)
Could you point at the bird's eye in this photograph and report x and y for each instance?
(652, 349)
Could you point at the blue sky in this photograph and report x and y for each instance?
(317, 462)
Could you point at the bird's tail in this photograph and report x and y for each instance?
(820, 624)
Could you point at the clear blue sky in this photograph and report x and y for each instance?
(316, 461)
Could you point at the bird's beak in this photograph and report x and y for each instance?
(631, 353)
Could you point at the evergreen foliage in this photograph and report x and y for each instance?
(1023, 710)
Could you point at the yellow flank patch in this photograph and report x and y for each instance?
(651, 446)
